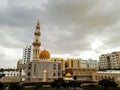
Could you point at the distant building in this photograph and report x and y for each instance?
(110, 61)
(73, 63)
(110, 74)
(9, 72)
(82, 69)
(10, 75)
(84, 63)
(115, 60)
(59, 60)
(22, 64)
(27, 54)
(84, 74)
(92, 64)
(104, 61)
(22, 69)
(80, 63)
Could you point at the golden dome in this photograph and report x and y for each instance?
(44, 54)
(68, 75)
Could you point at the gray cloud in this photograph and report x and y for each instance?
(67, 26)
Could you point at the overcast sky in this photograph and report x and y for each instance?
(69, 28)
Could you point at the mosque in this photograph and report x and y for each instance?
(41, 68)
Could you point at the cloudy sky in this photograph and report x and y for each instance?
(70, 28)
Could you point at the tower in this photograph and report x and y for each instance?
(36, 43)
(27, 53)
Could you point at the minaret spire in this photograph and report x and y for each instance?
(38, 25)
(36, 42)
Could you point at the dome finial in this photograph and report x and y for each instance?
(44, 48)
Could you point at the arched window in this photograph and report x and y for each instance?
(28, 73)
(59, 66)
(54, 66)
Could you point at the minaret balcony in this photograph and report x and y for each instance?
(37, 27)
(37, 33)
(36, 43)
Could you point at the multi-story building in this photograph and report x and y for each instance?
(110, 74)
(59, 60)
(104, 61)
(92, 63)
(27, 54)
(84, 63)
(115, 60)
(73, 63)
(22, 64)
(80, 63)
(110, 61)
(82, 69)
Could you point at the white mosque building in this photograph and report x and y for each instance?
(41, 68)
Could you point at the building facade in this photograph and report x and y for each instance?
(92, 63)
(72, 63)
(84, 74)
(27, 54)
(22, 64)
(21, 67)
(84, 63)
(10, 75)
(99, 75)
(43, 71)
(59, 60)
(115, 60)
(110, 61)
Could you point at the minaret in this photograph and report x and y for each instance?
(36, 42)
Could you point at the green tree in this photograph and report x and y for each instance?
(93, 87)
(74, 84)
(107, 83)
(55, 83)
(37, 86)
(1, 86)
(15, 86)
(59, 83)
